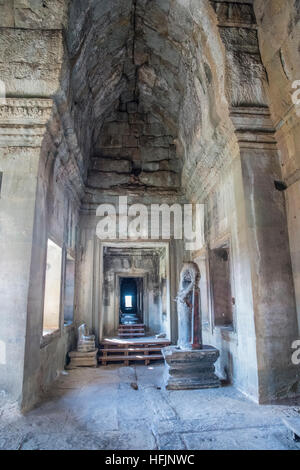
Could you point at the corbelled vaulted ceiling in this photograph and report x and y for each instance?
(161, 63)
(144, 87)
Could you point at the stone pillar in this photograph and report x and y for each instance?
(22, 126)
(272, 283)
(272, 287)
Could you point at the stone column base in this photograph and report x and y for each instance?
(190, 369)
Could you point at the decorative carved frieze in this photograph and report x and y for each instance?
(23, 123)
(23, 120)
(25, 111)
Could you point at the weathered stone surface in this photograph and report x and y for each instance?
(40, 14)
(97, 409)
(7, 19)
(110, 165)
(154, 154)
(34, 14)
(151, 166)
(35, 60)
(147, 75)
(129, 141)
(132, 135)
(104, 180)
(82, 359)
(160, 179)
(190, 369)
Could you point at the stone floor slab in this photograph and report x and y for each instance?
(99, 409)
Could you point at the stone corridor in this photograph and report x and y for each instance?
(138, 137)
(99, 409)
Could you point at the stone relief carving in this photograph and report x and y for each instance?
(189, 283)
(36, 110)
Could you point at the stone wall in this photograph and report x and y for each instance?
(256, 224)
(41, 183)
(57, 218)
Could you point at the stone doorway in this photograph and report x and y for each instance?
(143, 270)
(131, 300)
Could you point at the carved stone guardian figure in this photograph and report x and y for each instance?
(190, 365)
(188, 308)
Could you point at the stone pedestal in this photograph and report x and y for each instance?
(190, 369)
(83, 359)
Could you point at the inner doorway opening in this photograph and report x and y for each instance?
(131, 300)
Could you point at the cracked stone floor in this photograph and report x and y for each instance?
(98, 409)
